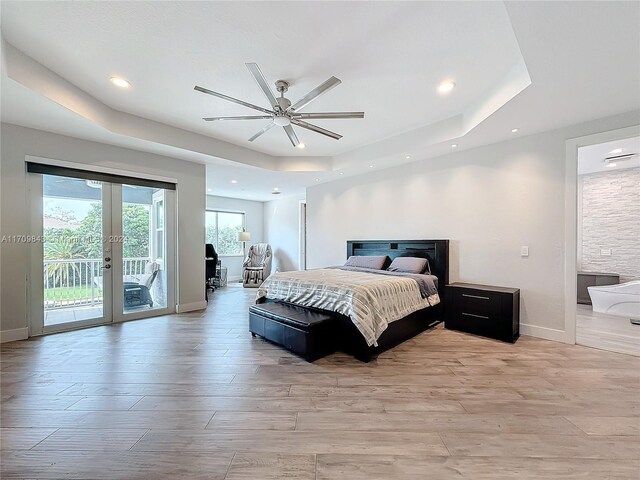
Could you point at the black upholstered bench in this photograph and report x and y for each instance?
(307, 333)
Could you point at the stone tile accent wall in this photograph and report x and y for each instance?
(611, 220)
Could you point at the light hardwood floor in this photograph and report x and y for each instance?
(194, 396)
(607, 332)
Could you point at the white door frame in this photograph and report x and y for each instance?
(571, 219)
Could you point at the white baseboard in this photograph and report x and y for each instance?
(234, 279)
(544, 333)
(13, 335)
(190, 307)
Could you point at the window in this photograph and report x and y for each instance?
(222, 230)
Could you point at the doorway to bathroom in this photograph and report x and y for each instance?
(608, 246)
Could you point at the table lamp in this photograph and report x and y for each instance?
(243, 237)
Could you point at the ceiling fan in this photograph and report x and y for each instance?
(283, 113)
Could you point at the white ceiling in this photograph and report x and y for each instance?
(253, 183)
(591, 158)
(389, 55)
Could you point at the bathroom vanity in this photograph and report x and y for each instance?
(592, 279)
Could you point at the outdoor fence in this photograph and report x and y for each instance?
(77, 282)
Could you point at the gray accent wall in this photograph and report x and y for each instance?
(610, 223)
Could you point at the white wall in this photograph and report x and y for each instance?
(17, 142)
(488, 201)
(254, 225)
(282, 231)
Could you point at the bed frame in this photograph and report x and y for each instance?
(437, 252)
(350, 340)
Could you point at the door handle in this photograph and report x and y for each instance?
(107, 259)
(107, 266)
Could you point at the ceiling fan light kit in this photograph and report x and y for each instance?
(282, 120)
(283, 113)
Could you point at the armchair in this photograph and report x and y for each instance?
(137, 288)
(257, 266)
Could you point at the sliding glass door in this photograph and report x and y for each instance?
(102, 252)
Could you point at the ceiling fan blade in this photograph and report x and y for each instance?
(329, 115)
(266, 127)
(292, 135)
(315, 128)
(231, 99)
(262, 83)
(246, 117)
(315, 93)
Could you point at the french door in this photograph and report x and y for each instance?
(101, 252)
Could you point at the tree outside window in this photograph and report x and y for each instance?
(222, 231)
(71, 242)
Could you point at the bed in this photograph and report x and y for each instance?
(407, 315)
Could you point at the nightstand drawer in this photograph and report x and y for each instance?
(481, 310)
(479, 304)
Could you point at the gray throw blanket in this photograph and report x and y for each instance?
(428, 284)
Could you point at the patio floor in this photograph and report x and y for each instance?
(77, 313)
(71, 314)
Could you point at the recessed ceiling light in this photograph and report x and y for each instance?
(234, 181)
(408, 157)
(317, 179)
(514, 130)
(370, 166)
(454, 145)
(446, 87)
(209, 190)
(616, 150)
(275, 189)
(120, 82)
(301, 145)
(611, 164)
(341, 173)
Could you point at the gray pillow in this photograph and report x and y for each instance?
(373, 262)
(409, 265)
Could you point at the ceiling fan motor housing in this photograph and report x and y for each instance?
(284, 103)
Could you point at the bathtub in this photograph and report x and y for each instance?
(622, 299)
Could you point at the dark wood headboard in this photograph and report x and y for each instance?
(436, 251)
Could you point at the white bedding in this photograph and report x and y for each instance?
(370, 300)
